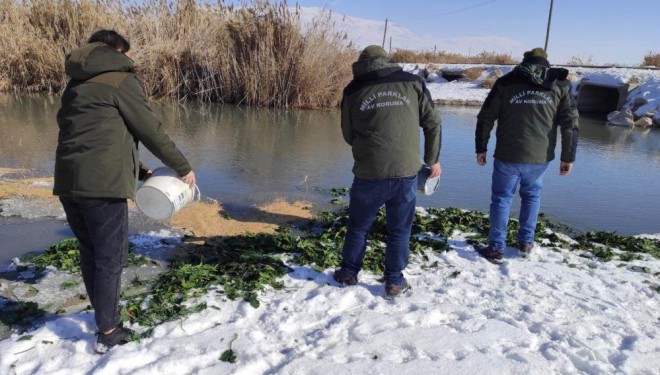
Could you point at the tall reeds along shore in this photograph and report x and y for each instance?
(651, 59)
(254, 54)
(443, 57)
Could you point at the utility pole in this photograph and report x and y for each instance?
(384, 34)
(390, 45)
(547, 33)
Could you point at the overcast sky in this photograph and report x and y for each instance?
(605, 31)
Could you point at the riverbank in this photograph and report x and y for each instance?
(531, 316)
(257, 54)
(574, 306)
(469, 85)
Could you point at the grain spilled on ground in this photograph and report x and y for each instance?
(279, 209)
(41, 188)
(209, 219)
(202, 219)
(11, 171)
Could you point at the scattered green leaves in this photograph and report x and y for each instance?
(65, 256)
(454, 274)
(632, 247)
(243, 266)
(229, 355)
(21, 315)
(69, 284)
(339, 192)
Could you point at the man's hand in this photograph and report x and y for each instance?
(565, 168)
(144, 174)
(189, 179)
(481, 158)
(436, 170)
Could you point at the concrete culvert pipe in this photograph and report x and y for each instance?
(601, 98)
(453, 75)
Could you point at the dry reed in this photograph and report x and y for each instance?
(424, 56)
(651, 59)
(474, 73)
(255, 54)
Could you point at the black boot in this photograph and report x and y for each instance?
(118, 336)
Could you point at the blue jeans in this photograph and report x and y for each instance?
(101, 226)
(506, 177)
(366, 198)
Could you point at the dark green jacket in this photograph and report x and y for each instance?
(529, 104)
(104, 115)
(381, 112)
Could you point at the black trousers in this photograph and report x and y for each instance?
(101, 226)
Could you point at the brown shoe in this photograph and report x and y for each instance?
(393, 290)
(343, 276)
(525, 248)
(493, 256)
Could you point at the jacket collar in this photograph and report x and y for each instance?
(374, 67)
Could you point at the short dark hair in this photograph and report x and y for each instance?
(111, 38)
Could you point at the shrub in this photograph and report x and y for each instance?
(651, 59)
(581, 61)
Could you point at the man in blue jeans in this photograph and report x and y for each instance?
(529, 104)
(382, 111)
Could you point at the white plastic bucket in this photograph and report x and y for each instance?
(426, 185)
(163, 194)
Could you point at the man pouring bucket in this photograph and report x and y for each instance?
(104, 115)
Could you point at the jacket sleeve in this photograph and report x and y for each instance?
(144, 126)
(486, 118)
(567, 120)
(346, 127)
(430, 121)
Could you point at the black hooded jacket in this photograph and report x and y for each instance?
(529, 104)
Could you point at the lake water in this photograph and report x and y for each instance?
(245, 156)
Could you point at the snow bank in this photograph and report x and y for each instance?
(648, 97)
(557, 312)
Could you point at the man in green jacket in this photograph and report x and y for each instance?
(104, 115)
(529, 104)
(382, 111)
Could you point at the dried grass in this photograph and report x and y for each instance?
(473, 73)
(255, 54)
(488, 83)
(424, 56)
(651, 59)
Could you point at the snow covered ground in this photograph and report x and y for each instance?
(555, 313)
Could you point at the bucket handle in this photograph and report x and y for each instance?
(197, 192)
